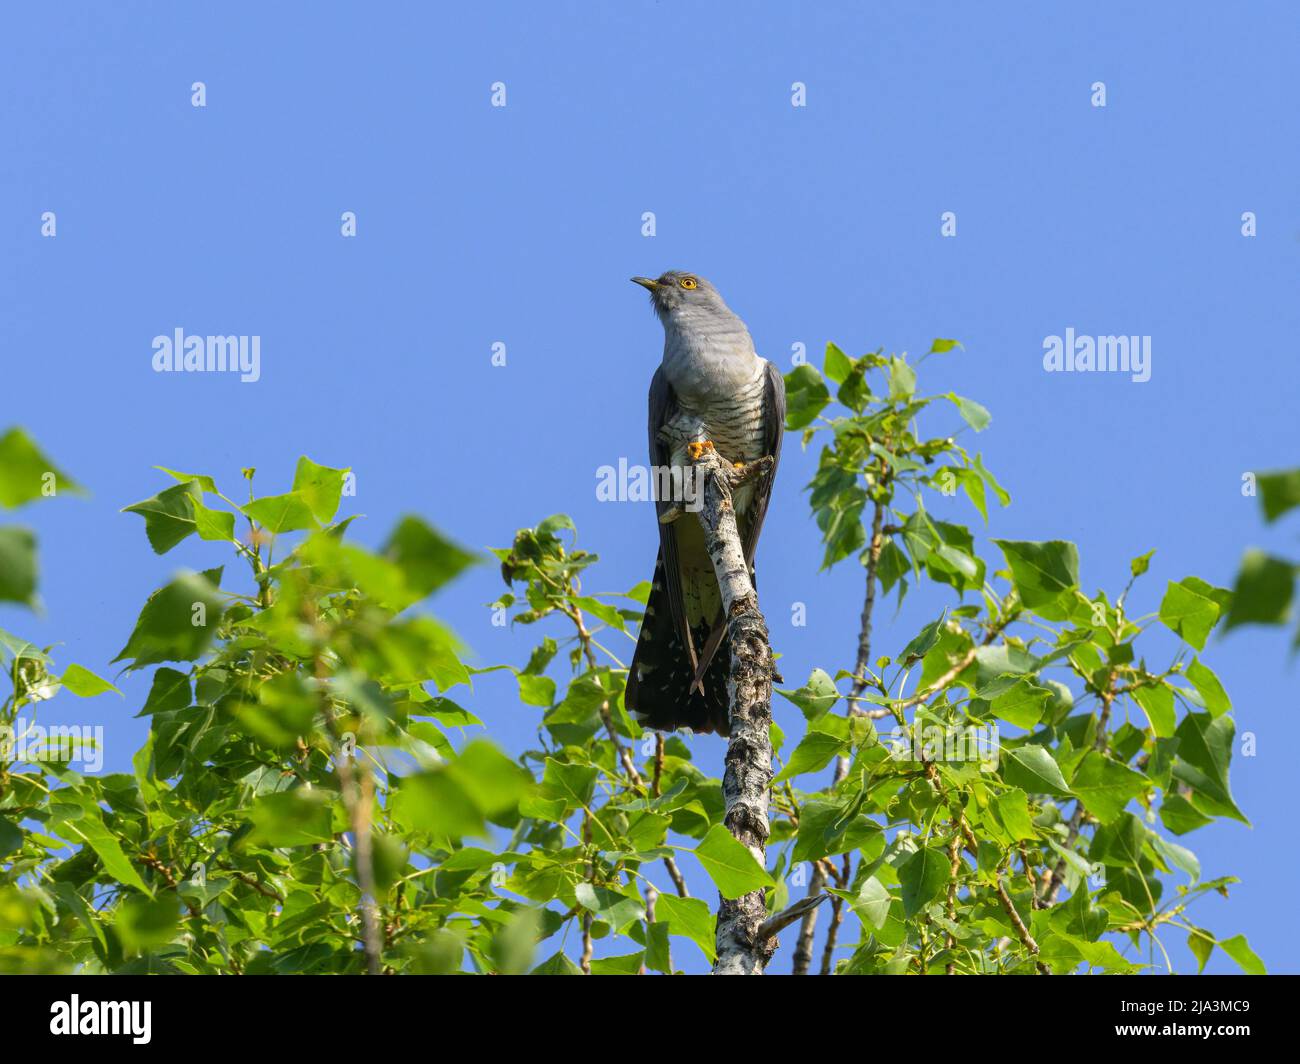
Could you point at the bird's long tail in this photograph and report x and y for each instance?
(659, 691)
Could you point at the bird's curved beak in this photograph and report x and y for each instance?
(645, 282)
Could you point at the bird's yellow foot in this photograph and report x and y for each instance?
(696, 449)
(737, 465)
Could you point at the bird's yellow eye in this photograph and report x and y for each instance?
(689, 282)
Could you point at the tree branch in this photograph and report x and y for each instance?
(742, 949)
(776, 924)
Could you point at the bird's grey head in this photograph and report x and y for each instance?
(678, 293)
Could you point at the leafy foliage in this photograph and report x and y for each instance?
(1031, 746)
(311, 797)
(1266, 583)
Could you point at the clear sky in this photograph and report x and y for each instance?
(521, 225)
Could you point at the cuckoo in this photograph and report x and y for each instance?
(711, 390)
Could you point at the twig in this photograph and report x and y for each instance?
(954, 866)
(1052, 886)
(837, 918)
(803, 947)
(808, 929)
(1022, 932)
(774, 925)
(358, 799)
(868, 605)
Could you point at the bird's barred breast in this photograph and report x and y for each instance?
(734, 422)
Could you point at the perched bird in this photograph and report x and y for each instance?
(711, 386)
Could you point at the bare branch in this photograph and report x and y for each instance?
(742, 950)
(774, 925)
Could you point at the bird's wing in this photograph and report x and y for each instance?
(773, 431)
(663, 407)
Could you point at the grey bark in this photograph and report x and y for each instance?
(742, 948)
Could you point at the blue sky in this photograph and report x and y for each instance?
(522, 224)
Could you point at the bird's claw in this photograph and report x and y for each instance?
(696, 448)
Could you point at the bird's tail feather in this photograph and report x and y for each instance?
(659, 690)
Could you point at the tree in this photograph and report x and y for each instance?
(981, 799)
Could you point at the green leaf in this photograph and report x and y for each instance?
(1279, 492)
(923, 877)
(26, 473)
(215, 525)
(1022, 704)
(17, 565)
(942, 347)
(556, 964)
(1209, 688)
(573, 783)
(603, 611)
(872, 903)
(732, 867)
(168, 516)
(85, 684)
(1119, 843)
(1012, 809)
(205, 483)
(825, 828)
(1201, 943)
(902, 379)
(89, 828)
(627, 964)
(1189, 612)
(1041, 572)
(617, 910)
(291, 818)
(976, 416)
(1247, 959)
(924, 641)
(1140, 564)
(1105, 786)
(281, 513)
(536, 690)
(172, 627)
(1157, 703)
(170, 690)
(690, 917)
(11, 837)
(855, 393)
(823, 740)
(435, 803)
(816, 697)
(1263, 592)
(1204, 752)
(320, 487)
(146, 923)
(806, 396)
(658, 956)
(1178, 856)
(427, 559)
(837, 364)
(1180, 816)
(1034, 769)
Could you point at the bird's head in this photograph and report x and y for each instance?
(678, 290)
